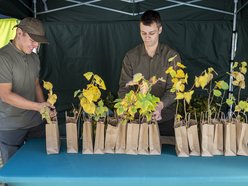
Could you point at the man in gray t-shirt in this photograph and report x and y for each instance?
(21, 96)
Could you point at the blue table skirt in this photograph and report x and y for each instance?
(31, 166)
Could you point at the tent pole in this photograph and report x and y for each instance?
(24, 4)
(244, 5)
(233, 53)
(35, 10)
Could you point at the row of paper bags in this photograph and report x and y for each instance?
(219, 137)
(113, 137)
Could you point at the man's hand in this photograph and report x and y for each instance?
(157, 113)
(47, 111)
(40, 106)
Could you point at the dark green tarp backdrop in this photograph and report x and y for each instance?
(76, 48)
(87, 38)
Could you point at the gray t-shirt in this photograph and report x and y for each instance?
(21, 70)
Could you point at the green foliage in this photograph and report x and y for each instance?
(138, 102)
(180, 79)
(239, 70)
(146, 105)
(90, 97)
(101, 111)
(126, 107)
(199, 104)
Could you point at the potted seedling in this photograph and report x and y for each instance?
(94, 113)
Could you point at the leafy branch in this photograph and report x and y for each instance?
(52, 98)
(238, 73)
(140, 101)
(89, 97)
(179, 80)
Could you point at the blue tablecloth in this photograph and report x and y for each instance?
(31, 166)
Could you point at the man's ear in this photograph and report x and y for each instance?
(18, 31)
(160, 29)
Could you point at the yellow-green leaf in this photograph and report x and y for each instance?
(237, 108)
(197, 84)
(179, 117)
(171, 71)
(229, 102)
(235, 83)
(180, 65)
(238, 76)
(88, 75)
(181, 87)
(185, 80)
(179, 95)
(244, 63)
(52, 99)
(210, 70)
(88, 94)
(235, 65)
(161, 79)
(217, 93)
(88, 107)
(137, 77)
(180, 74)
(242, 84)
(224, 85)
(77, 92)
(120, 111)
(47, 85)
(243, 70)
(174, 80)
(221, 85)
(243, 104)
(99, 82)
(172, 58)
(203, 80)
(188, 96)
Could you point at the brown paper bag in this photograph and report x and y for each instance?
(71, 134)
(121, 138)
(111, 135)
(132, 138)
(207, 136)
(193, 138)
(52, 138)
(218, 136)
(242, 138)
(143, 139)
(87, 138)
(71, 138)
(182, 147)
(99, 138)
(207, 139)
(154, 139)
(230, 138)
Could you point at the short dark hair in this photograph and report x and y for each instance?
(149, 17)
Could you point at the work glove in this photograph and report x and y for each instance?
(157, 113)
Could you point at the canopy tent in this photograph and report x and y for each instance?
(110, 10)
(94, 35)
